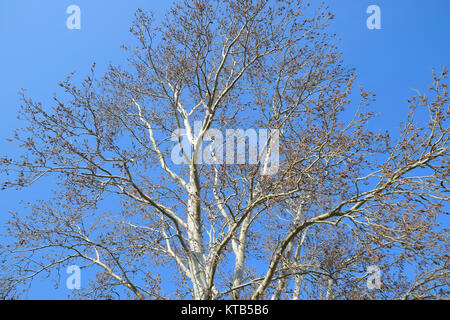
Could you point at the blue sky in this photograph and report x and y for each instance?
(38, 51)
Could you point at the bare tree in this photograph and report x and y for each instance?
(342, 197)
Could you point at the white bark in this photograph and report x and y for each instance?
(239, 248)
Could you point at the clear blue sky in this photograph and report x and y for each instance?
(37, 51)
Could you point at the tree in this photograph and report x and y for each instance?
(341, 198)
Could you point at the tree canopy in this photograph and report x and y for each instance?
(342, 197)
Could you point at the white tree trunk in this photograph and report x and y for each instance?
(239, 247)
(195, 238)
